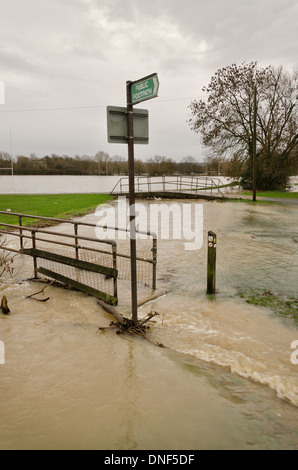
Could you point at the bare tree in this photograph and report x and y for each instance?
(102, 158)
(225, 120)
(6, 260)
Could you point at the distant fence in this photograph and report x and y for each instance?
(83, 262)
(192, 184)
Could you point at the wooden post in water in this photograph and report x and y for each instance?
(211, 264)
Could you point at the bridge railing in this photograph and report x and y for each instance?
(176, 183)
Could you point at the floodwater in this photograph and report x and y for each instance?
(224, 380)
(19, 184)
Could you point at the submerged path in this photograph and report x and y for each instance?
(188, 195)
(281, 200)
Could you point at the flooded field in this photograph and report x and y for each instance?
(224, 380)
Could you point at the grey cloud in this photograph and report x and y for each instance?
(81, 52)
(16, 61)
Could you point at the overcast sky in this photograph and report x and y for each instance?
(64, 61)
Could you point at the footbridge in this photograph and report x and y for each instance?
(176, 186)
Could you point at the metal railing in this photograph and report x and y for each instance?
(66, 267)
(182, 184)
(80, 243)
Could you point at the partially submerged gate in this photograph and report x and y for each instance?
(82, 262)
(78, 275)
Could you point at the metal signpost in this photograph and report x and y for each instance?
(136, 92)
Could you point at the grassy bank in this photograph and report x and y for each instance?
(273, 194)
(279, 304)
(61, 206)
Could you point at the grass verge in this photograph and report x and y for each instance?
(58, 206)
(274, 194)
(285, 306)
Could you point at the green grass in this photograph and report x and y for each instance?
(61, 206)
(273, 194)
(279, 304)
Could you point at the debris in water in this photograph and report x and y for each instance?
(4, 306)
(125, 325)
(39, 292)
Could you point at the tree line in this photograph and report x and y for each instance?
(103, 164)
(247, 121)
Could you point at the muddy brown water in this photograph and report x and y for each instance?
(225, 379)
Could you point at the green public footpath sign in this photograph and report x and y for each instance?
(144, 89)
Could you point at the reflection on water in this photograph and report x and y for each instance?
(225, 380)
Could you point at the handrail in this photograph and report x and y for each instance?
(48, 232)
(76, 237)
(179, 183)
(73, 222)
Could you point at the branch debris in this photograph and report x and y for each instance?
(6, 259)
(39, 292)
(125, 325)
